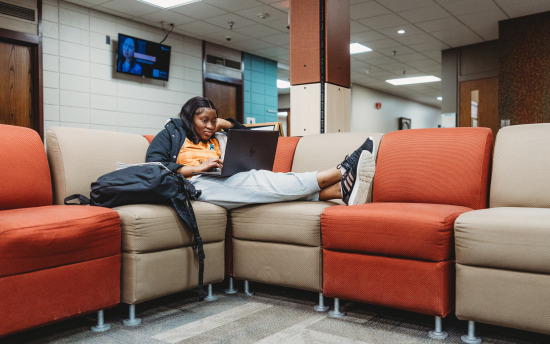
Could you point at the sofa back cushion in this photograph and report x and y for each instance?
(438, 165)
(25, 175)
(79, 156)
(323, 151)
(286, 147)
(521, 167)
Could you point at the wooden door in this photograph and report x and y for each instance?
(16, 86)
(481, 96)
(226, 97)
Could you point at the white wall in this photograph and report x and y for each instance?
(81, 87)
(365, 117)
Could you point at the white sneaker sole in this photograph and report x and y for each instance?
(365, 174)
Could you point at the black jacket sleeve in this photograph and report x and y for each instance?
(160, 150)
(236, 125)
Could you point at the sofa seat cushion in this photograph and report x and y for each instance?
(505, 238)
(44, 237)
(155, 227)
(297, 222)
(407, 230)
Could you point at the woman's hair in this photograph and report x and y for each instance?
(188, 111)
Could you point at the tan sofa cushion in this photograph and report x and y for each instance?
(79, 156)
(504, 238)
(521, 168)
(286, 222)
(292, 266)
(146, 276)
(154, 227)
(324, 151)
(505, 298)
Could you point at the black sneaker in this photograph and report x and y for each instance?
(359, 170)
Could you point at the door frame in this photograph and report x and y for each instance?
(225, 80)
(35, 44)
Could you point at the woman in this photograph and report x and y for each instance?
(193, 143)
(129, 64)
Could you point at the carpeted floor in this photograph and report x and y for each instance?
(272, 315)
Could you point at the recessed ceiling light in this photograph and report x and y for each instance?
(168, 3)
(439, 98)
(413, 80)
(356, 48)
(282, 84)
(401, 32)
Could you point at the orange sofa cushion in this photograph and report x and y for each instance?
(149, 138)
(25, 180)
(285, 153)
(407, 230)
(50, 236)
(438, 165)
(416, 286)
(44, 296)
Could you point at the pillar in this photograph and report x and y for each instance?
(320, 94)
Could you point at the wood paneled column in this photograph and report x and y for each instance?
(320, 95)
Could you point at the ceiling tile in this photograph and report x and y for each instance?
(130, 7)
(441, 24)
(256, 30)
(367, 9)
(223, 21)
(469, 6)
(516, 8)
(423, 14)
(400, 5)
(252, 14)
(199, 10)
(233, 5)
(168, 17)
(366, 37)
(383, 21)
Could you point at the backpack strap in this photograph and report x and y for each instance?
(182, 204)
(82, 200)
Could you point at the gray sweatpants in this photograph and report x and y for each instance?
(257, 186)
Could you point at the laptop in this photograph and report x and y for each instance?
(247, 150)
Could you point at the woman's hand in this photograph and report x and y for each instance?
(209, 164)
(223, 124)
(189, 171)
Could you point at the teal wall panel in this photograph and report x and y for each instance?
(260, 89)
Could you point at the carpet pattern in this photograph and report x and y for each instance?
(272, 315)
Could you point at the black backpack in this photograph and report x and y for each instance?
(147, 184)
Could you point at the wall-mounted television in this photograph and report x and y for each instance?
(144, 58)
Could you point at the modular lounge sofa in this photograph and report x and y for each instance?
(282, 244)
(157, 254)
(503, 252)
(56, 261)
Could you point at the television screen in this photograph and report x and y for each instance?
(141, 57)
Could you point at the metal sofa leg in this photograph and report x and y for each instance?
(101, 326)
(210, 296)
(471, 338)
(247, 289)
(231, 290)
(321, 306)
(336, 312)
(132, 321)
(438, 333)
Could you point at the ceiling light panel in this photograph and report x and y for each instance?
(168, 3)
(413, 80)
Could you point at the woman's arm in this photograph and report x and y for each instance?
(228, 123)
(160, 149)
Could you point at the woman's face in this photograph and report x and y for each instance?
(205, 122)
(128, 48)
